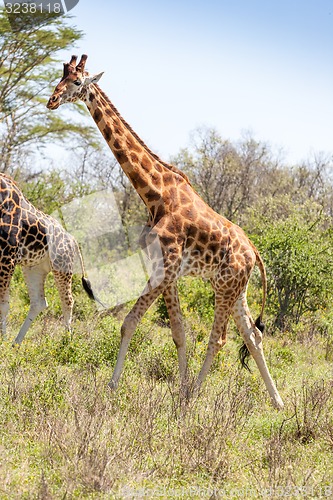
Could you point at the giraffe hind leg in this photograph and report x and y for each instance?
(252, 337)
(244, 352)
(64, 284)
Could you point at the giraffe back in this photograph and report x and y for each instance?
(28, 236)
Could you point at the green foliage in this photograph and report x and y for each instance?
(298, 253)
(47, 393)
(285, 354)
(82, 350)
(235, 177)
(162, 312)
(196, 297)
(50, 191)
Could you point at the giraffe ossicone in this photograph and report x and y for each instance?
(194, 239)
(40, 244)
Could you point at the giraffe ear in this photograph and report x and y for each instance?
(93, 78)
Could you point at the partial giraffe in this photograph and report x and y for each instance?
(193, 239)
(40, 245)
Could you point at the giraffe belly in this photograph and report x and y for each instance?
(199, 264)
(33, 258)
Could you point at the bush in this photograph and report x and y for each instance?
(196, 297)
(298, 255)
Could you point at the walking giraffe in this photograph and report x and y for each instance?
(194, 240)
(39, 244)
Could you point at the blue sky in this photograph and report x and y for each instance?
(243, 65)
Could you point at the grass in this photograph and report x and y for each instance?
(64, 435)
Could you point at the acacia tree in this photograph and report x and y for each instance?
(27, 58)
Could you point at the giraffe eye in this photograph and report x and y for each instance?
(77, 82)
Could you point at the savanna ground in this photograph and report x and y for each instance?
(64, 435)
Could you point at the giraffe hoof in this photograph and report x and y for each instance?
(112, 385)
(278, 403)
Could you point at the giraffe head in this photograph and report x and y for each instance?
(73, 84)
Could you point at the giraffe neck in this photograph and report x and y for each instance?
(146, 171)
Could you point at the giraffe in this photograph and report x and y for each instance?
(38, 243)
(194, 240)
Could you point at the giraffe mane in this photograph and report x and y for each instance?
(8, 177)
(141, 142)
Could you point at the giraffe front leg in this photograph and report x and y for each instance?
(129, 325)
(171, 298)
(35, 280)
(253, 340)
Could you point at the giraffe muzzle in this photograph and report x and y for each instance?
(53, 102)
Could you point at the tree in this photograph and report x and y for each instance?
(27, 58)
(230, 177)
(235, 176)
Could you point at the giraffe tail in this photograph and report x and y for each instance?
(259, 323)
(244, 352)
(89, 291)
(85, 281)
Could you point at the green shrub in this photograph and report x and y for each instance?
(196, 298)
(96, 349)
(298, 255)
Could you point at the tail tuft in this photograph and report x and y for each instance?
(88, 288)
(89, 291)
(260, 325)
(244, 355)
